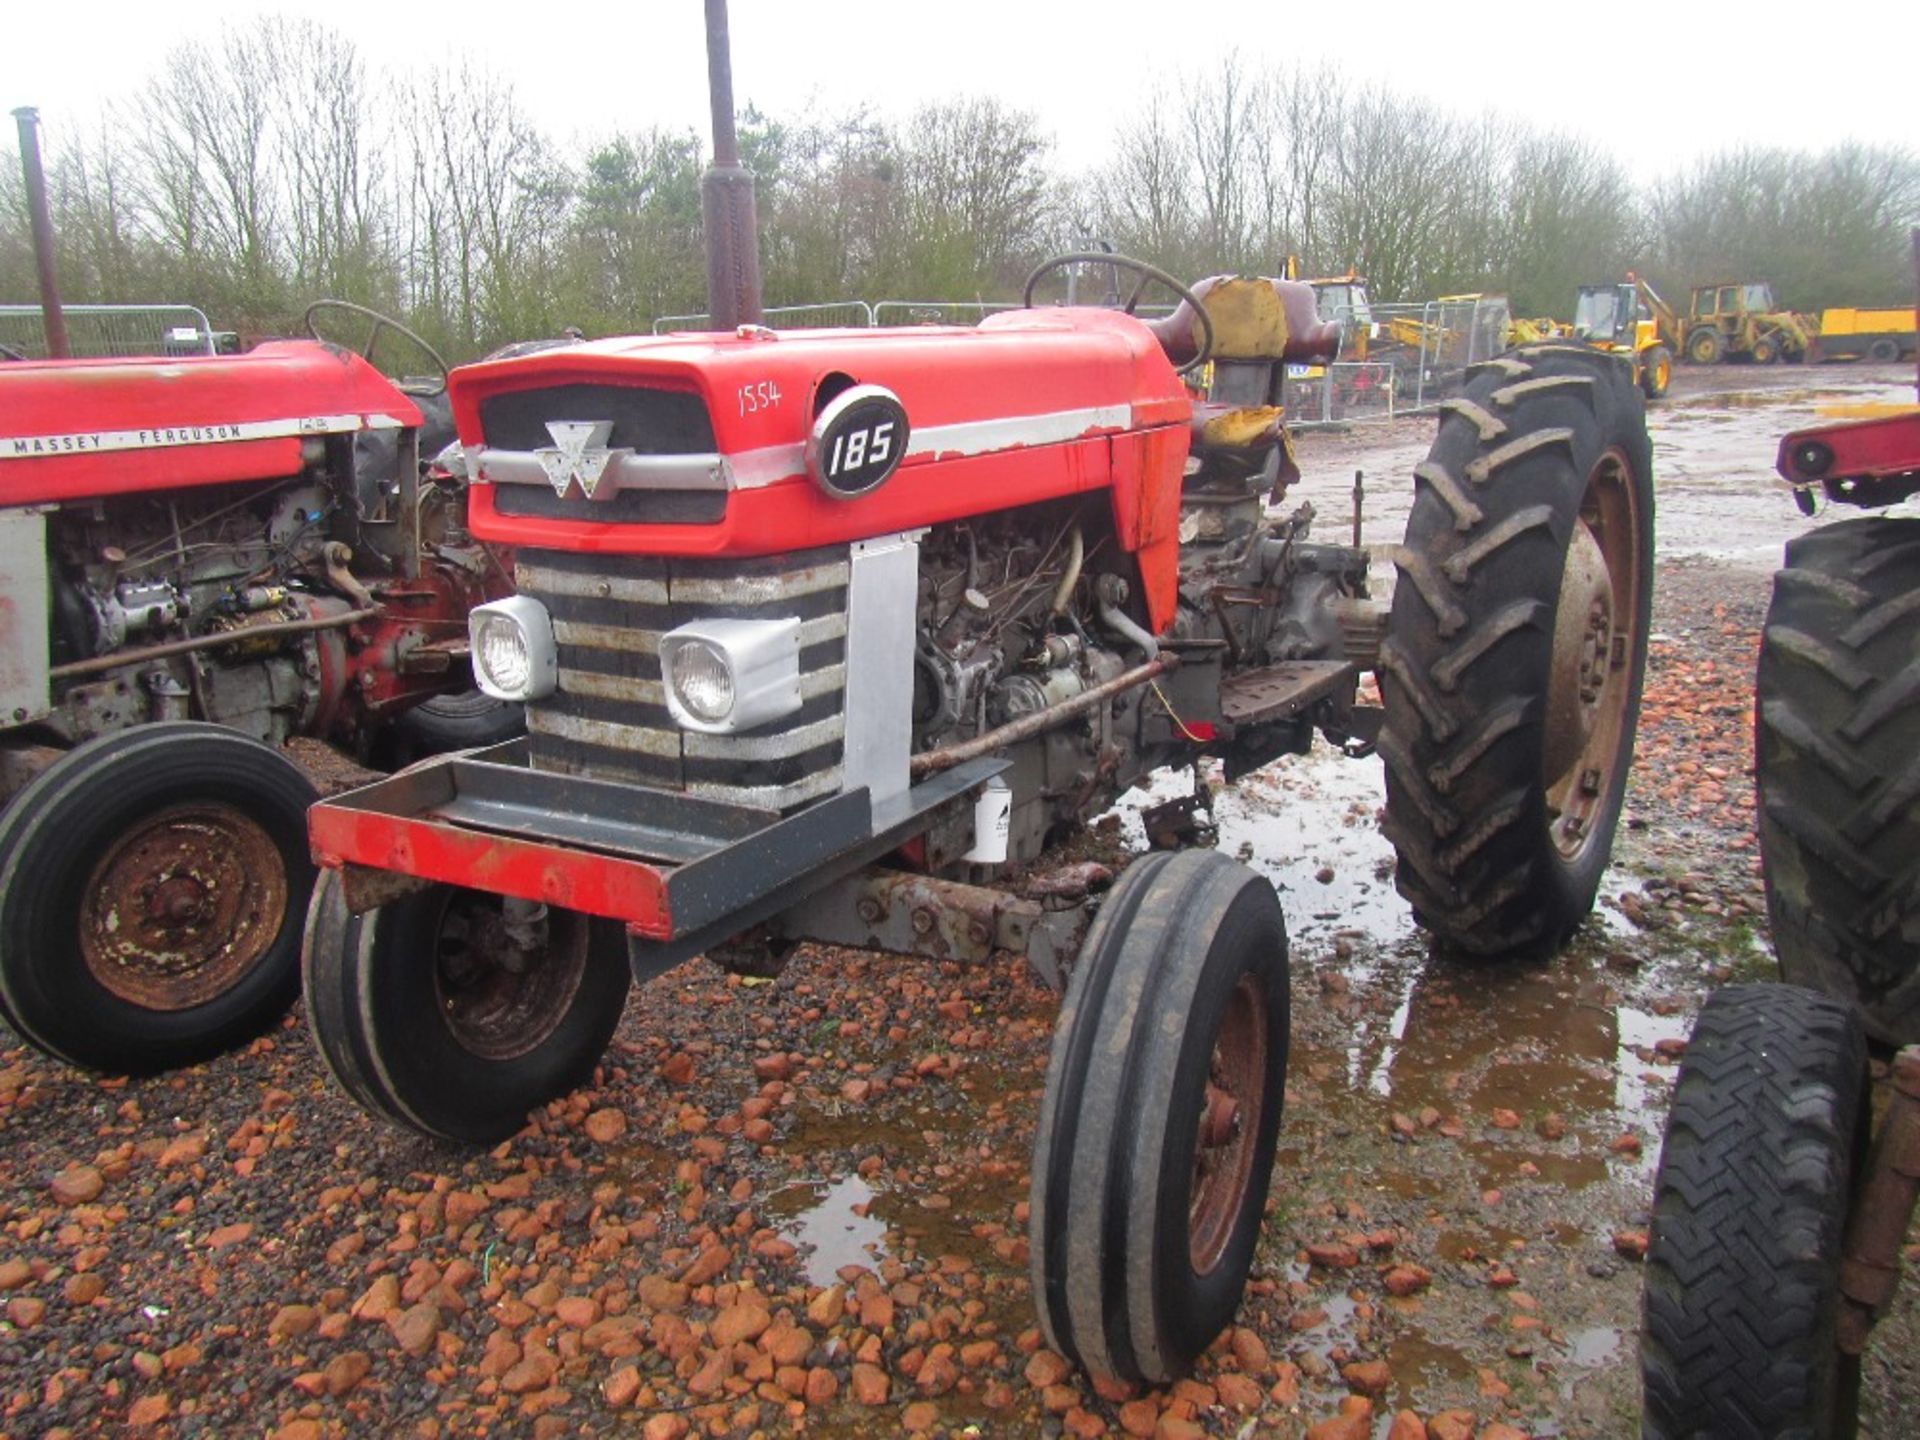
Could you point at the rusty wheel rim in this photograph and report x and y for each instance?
(1229, 1122)
(1590, 684)
(498, 1002)
(183, 906)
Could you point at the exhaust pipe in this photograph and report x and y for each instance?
(726, 197)
(41, 220)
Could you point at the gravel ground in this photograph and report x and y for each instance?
(798, 1205)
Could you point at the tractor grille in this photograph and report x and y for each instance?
(608, 718)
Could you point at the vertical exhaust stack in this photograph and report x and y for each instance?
(726, 196)
(28, 119)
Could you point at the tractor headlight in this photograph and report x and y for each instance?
(513, 651)
(724, 676)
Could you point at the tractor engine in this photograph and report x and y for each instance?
(134, 580)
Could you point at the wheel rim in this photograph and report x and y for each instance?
(1662, 373)
(500, 1000)
(183, 906)
(1589, 686)
(1229, 1126)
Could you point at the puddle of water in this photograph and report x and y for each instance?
(1592, 1348)
(831, 1232)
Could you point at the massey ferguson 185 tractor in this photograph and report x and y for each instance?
(819, 632)
(202, 558)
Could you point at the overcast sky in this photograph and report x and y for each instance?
(1722, 75)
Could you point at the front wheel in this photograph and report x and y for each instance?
(454, 1013)
(1750, 1204)
(1156, 1136)
(459, 720)
(1516, 649)
(1766, 350)
(1656, 372)
(152, 884)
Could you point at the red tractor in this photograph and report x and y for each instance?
(1780, 1210)
(204, 558)
(819, 633)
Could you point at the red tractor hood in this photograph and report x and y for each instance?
(1030, 405)
(79, 429)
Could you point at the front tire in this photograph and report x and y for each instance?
(1756, 1176)
(152, 886)
(1837, 729)
(1516, 650)
(1156, 1135)
(1656, 372)
(428, 1014)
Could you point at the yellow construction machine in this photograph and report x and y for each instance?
(1738, 320)
(1631, 317)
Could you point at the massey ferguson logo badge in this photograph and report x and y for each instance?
(580, 453)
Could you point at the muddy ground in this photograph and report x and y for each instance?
(798, 1205)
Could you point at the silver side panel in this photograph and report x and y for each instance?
(882, 598)
(24, 687)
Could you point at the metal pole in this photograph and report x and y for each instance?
(28, 119)
(932, 762)
(726, 196)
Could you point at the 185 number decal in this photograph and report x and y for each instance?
(858, 441)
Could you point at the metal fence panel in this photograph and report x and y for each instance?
(837, 315)
(937, 312)
(1348, 392)
(95, 331)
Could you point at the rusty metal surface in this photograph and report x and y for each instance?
(1280, 692)
(910, 914)
(182, 906)
(251, 635)
(1225, 1137)
(1877, 1228)
(930, 762)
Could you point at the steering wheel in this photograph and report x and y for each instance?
(1148, 274)
(380, 323)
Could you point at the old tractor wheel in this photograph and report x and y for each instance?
(1656, 372)
(152, 887)
(1705, 347)
(1157, 1131)
(1765, 351)
(1838, 727)
(453, 1013)
(1756, 1176)
(1516, 648)
(1884, 351)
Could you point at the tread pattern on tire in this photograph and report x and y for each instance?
(1493, 510)
(1098, 1295)
(1837, 747)
(1750, 1203)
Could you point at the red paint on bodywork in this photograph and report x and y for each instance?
(1875, 449)
(617, 888)
(72, 400)
(966, 393)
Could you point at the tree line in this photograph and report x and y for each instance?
(276, 165)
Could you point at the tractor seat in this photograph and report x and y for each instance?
(1254, 319)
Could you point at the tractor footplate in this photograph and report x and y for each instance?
(1281, 692)
(671, 866)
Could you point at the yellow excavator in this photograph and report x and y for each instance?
(1631, 317)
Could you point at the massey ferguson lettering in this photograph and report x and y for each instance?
(27, 447)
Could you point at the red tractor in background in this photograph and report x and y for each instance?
(204, 558)
(1780, 1209)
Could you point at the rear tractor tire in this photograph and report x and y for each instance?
(1836, 736)
(1656, 372)
(430, 1013)
(1516, 650)
(152, 888)
(1162, 1108)
(1706, 347)
(1763, 1150)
